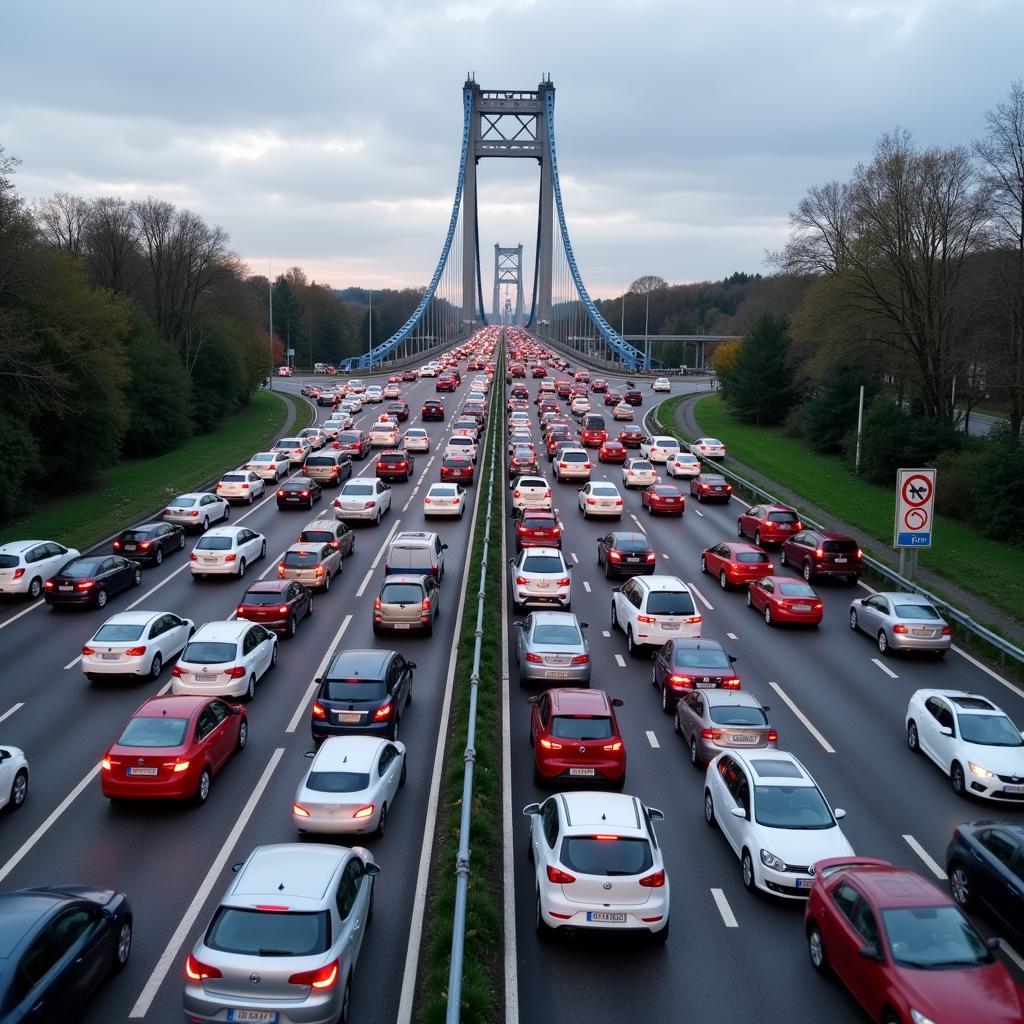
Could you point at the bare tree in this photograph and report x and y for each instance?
(62, 219)
(111, 242)
(648, 283)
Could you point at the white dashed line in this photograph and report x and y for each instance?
(605, 633)
(10, 711)
(586, 586)
(703, 600)
(885, 668)
(640, 525)
(929, 862)
(728, 917)
(574, 558)
(732, 636)
(653, 740)
(828, 748)
(363, 585)
(620, 661)
(701, 514)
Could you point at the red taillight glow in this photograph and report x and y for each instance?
(363, 812)
(86, 651)
(318, 711)
(146, 545)
(534, 659)
(617, 745)
(732, 683)
(648, 619)
(564, 581)
(947, 630)
(18, 573)
(900, 628)
(236, 672)
(196, 970)
(656, 880)
(651, 556)
(549, 744)
(676, 680)
(581, 659)
(773, 736)
(85, 585)
(176, 671)
(105, 764)
(117, 544)
(180, 766)
(282, 609)
(559, 877)
(384, 711)
(135, 652)
(322, 978)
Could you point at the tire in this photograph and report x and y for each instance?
(202, 793)
(293, 625)
(957, 780)
(768, 621)
(309, 608)
(380, 516)
(243, 734)
(544, 932)
(816, 949)
(346, 998)
(241, 568)
(667, 704)
(401, 778)
(747, 871)
(181, 541)
(739, 527)
(327, 583)
(960, 886)
(382, 821)
(155, 666)
(263, 550)
(782, 556)
(631, 645)
(883, 643)
(137, 578)
(709, 809)
(158, 558)
(227, 514)
(750, 600)
(19, 790)
(395, 728)
(615, 621)
(703, 564)
(723, 580)
(808, 572)
(101, 598)
(912, 738)
(853, 619)
(757, 538)
(35, 588)
(206, 524)
(694, 756)
(273, 658)
(250, 691)
(122, 947)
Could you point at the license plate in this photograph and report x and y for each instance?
(670, 625)
(740, 738)
(633, 559)
(65, 587)
(706, 686)
(402, 625)
(110, 657)
(130, 547)
(350, 717)
(922, 632)
(142, 771)
(1013, 789)
(605, 916)
(210, 560)
(587, 772)
(541, 585)
(559, 675)
(205, 677)
(258, 1016)
(840, 559)
(801, 607)
(804, 883)
(716, 488)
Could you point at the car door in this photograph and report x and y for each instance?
(848, 926)
(663, 660)
(1000, 883)
(399, 681)
(79, 935)
(737, 791)
(389, 770)
(691, 714)
(161, 635)
(350, 911)
(204, 738)
(938, 716)
(224, 737)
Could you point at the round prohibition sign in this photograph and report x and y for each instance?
(915, 519)
(917, 490)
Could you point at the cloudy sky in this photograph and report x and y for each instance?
(325, 133)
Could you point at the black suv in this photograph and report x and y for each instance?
(432, 409)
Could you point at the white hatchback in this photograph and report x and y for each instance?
(416, 439)
(226, 551)
(296, 448)
(374, 393)
(25, 565)
(531, 492)
(579, 406)
(684, 464)
(196, 510)
(225, 659)
(652, 610)
(573, 464)
(659, 448)
(461, 446)
(136, 643)
(444, 500)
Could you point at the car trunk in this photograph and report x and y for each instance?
(613, 878)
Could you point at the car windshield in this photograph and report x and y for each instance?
(933, 938)
(214, 543)
(183, 502)
(82, 569)
(796, 590)
(301, 559)
(154, 732)
(701, 658)
(612, 855)
(557, 633)
(543, 563)
(354, 689)
(750, 557)
(989, 730)
(730, 715)
(917, 611)
(206, 652)
(269, 933)
(338, 782)
(795, 807)
(401, 593)
(357, 490)
(581, 727)
(262, 599)
(119, 632)
(669, 602)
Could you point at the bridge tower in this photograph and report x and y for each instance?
(508, 270)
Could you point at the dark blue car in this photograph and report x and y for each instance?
(363, 692)
(57, 946)
(985, 864)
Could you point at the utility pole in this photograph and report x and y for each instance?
(647, 340)
(860, 424)
(370, 349)
(270, 291)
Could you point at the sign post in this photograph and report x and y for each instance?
(915, 511)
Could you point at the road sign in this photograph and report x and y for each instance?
(291, 351)
(915, 508)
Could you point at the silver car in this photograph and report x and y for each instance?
(285, 939)
(196, 510)
(901, 622)
(551, 646)
(312, 565)
(710, 721)
(316, 437)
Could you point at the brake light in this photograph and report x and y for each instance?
(550, 744)
(520, 581)
(860, 554)
(947, 630)
(196, 970)
(591, 501)
(581, 659)
(615, 556)
(180, 766)
(559, 877)
(676, 680)
(651, 556)
(368, 504)
(425, 606)
(384, 711)
(618, 501)
(900, 628)
(617, 745)
(646, 618)
(231, 558)
(280, 568)
(193, 557)
(773, 736)
(320, 570)
(376, 604)
(653, 881)
(732, 683)
(135, 652)
(195, 515)
(564, 581)
(711, 734)
(318, 710)
(363, 812)
(534, 659)
(105, 764)
(85, 585)
(176, 671)
(117, 544)
(606, 837)
(819, 552)
(236, 672)
(280, 494)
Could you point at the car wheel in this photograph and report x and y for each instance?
(631, 645)
(703, 564)
(263, 550)
(544, 932)
(912, 740)
(739, 527)
(227, 513)
(155, 666)
(293, 624)
(250, 690)
(137, 578)
(19, 790)
(768, 615)
(853, 619)
(401, 778)
(202, 793)
(816, 948)
(158, 558)
(327, 583)
(661, 937)
(750, 600)
(709, 809)
(960, 886)
(343, 1017)
(883, 642)
(243, 734)
(395, 728)
(694, 752)
(181, 541)
(206, 524)
(782, 556)
(241, 568)
(723, 580)
(747, 871)
(956, 779)
(667, 704)
(380, 516)
(757, 537)
(382, 821)
(35, 588)
(101, 598)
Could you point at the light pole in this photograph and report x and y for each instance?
(270, 293)
(370, 349)
(647, 340)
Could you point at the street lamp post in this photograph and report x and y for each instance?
(270, 293)
(647, 340)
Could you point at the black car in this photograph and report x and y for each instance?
(624, 553)
(150, 542)
(363, 692)
(633, 396)
(985, 864)
(91, 580)
(432, 409)
(691, 664)
(400, 410)
(395, 465)
(298, 492)
(60, 944)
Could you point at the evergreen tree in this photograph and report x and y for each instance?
(761, 387)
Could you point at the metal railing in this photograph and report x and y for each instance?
(1006, 648)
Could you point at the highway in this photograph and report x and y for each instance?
(175, 861)
(836, 704)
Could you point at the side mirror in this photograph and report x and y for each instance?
(238, 867)
(533, 698)
(531, 809)
(584, 625)
(236, 709)
(310, 754)
(863, 600)
(739, 812)
(371, 869)
(517, 625)
(945, 730)
(444, 547)
(410, 664)
(318, 680)
(993, 943)
(617, 702)
(839, 813)
(870, 953)
(655, 815)
(732, 659)
(616, 590)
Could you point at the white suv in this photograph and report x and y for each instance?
(652, 610)
(540, 577)
(573, 464)
(659, 448)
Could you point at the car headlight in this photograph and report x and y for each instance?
(919, 1018)
(978, 770)
(769, 860)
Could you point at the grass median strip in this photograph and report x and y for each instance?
(133, 489)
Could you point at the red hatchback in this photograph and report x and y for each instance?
(536, 528)
(632, 437)
(575, 738)
(665, 498)
(276, 604)
(782, 599)
(172, 747)
(768, 524)
(903, 948)
(823, 553)
(612, 396)
(598, 386)
(612, 451)
(735, 563)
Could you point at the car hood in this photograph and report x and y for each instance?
(981, 995)
(1001, 760)
(805, 846)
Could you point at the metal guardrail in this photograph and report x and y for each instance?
(1005, 647)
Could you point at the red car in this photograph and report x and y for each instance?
(408, 375)
(783, 599)
(903, 948)
(400, 410)
(276, 604)
(395, 379)
(582, 376)
(554, 439)
(519, 391)
(172, 747)
(663, 498)
(547, 405)
(432, 409)
(710, 487)
(594, 434)
(598, 386)
(446, 383)
(523, 462)
(768, 524)
(395, 465)
(575, 737)
(355, 442)
(632, 437)
(539, 371)
(457, 469)
(612, 396)
(823, 553)
(536, 528)
(562, 388)
(734, 563)
(612, 451)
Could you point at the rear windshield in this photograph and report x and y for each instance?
(631, 544)
(727, 715)
(183, 502)
(154, 732)
(317, 537)
(289, 442)
(543, 563)
(539, 522)
(301, 559)
(917, 611)
(710, 658)
(262, 599)
(113, 632)
(750, 556)
(554, 633)
(81, 570)
(575, 457)
(338, 782)
(137, 535)
(206, 652)
(269, 933)
(347, 438)
(795, 590)
(214, 544)
(642, 464)
(401, 593)
(263, 457)
(357, 489)
(9, 561)
(839, 547)
(591, 855)
(233, 478)
(357, 689)
(782, 517)
(321, 460)
(444, 491)
(670, 602)
(572, 727)
(604, 490)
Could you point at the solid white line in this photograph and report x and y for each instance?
(984, 668)
(1012, 954)
(50, 819)
(586, 586)
(605, 632)
(10, 711)
(384, 546)
(885, 668)
(828, 748)
(653, 740)
(620, 661)
(39, 603)
(72, 664)
(170, 953)
(732, 636)
(320, 669)
(728, 917)
(929, 862)
(703, 600)
(366, 580)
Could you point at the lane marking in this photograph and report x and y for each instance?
(703, 600)
(320, 669)
(826, 746)
(38, 603)
(574, 558)
(640, 525)
(653, 740)
(172, 950)
(620, 661)
(701, 514)
(728, 917)
(10, 711)
(586, 586)
(366, 580)
(732, 636)
(1012, 954)
(72, 664)
(984, 668)
(605, 633)
(885, 668)
(663, 555)
(925, 856)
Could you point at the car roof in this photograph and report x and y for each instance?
(138, 618)
(405, 577)
(21, 910)
(901, 597)
(696, 644)
(633, 535)
(331, 525)
(225, 531)
(733, 698)
(547, 618)
(742, 545)
(661, 582)
(556, 552)
(287, 870)
(368, 664)
(570, 700)
(180, 706)
(348, 753)
(774, 767)
(414, 538)
(887, 885)
(963, 700)
(658, 438)
(17, 546)
(192, 494)
(587, 811)
(222, 631)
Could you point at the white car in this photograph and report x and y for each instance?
(659, 448)
(600, 499)
(708, 448)
(226, 551)
(270, 465)
(332, 425)
(444, 500)
(540, 577)
(652, 610)
(355, 387)
(518, 419)
(355, 403)
(416, 439)
(350, 786)
(374, 394)
(225, 659)
(296, 448)
(684, 464)
(241, 485)
(639, 473)
(579, 406)
(573, 464)
(196, 510)
(461, 445)
(662, 384)
(427, 371)
(971, 740)
(364, 498)
(25, 565)
(137, 643)
(13, 777)
(315, 436)
(775, 818)
(597, 864)
(392, 391)
(623, 411)
(384, 435)
(531, 492)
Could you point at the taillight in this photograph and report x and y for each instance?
(732, 683)
(320, 570)
(860, 554)
(564, 581)
(117, 544)
(591, 501)
(651, 556)
(677, 680)
(656, 880)
(18, 573)
(195, 515)
(196, 970)
(559, 877)
(176, 671)
(318, 710)
(85, 585)
(280, 568)
(711, 734)
(363, 812)
(581, 659)
(193, 557)
(86, 651)
(376, 604)
(617, 745)
(521, 581)
(615, 556)
(280, 494)
(773, 736)
(947, 630)
(369, 504)
(300, 811)
(534, 659)
(384, 711)
(231, 558)
(819, 552)
(236, 672)
(105, 764)
(646, 618)
(900, 628)
(425, 606)
(135, 652)
(549, 744)
(180, 766)
(618, 501)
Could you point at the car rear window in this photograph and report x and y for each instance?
(543, 563)
(262, 599)
(443, 491)
(338, 782)
(183, 502)
(532, 481)
(116, 632)
(207, 652)
(154, 732)
(631, 544)
(9, 561)
(604, 490)
(321, 460)
(796, 590)
(669, 602)
(289, 442)
(357, 490)
(727, 715)
(917, 611)
(750, 556)
(782, 517)
(129, 535)
(539, 522)
(233, 478)
(641, 464)
(575, 457)
(317, 537)
(355, 689)
(593, 855)
(347, 437)
(214, 544)
(556, 633)
(704, 658)
(582, 727)
(269, 933)
(301, 559)
(401, 593)
(82, 569)
(839, 547)
(263, 457)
